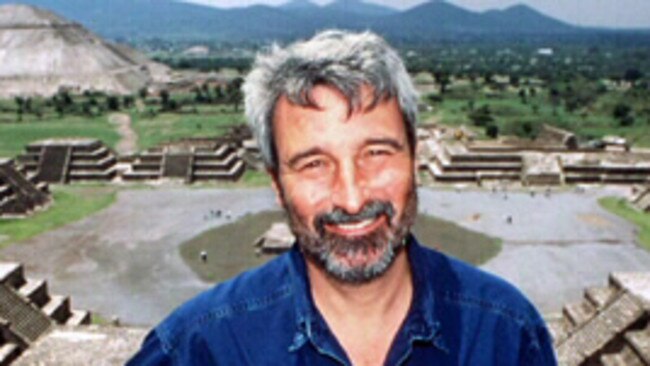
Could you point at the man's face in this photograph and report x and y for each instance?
(346, 180)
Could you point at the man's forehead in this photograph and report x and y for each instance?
(325, 96)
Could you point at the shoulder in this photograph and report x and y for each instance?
(253, 290)
(466, 285)
(473, 301)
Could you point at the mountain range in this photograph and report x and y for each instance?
(174, 20)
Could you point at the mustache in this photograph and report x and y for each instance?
(370, 210)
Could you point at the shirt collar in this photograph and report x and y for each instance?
(420, 324)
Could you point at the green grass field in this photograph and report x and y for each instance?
(509, 112)
(71, 203)
(15, 135)
(622, 208)
(210, 120)
(230, 247)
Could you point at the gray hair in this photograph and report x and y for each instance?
(340, 59)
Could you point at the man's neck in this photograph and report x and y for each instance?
(364, 317)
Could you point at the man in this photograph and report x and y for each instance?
(335, 120)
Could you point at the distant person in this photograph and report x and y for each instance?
(335, 121)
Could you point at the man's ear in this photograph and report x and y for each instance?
(415, 156)
(277, 187)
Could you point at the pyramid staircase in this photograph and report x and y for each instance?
(602, 173)
(11, 344)
(610, 326)
(454, 164)
(20, 192)
(642, 200)
(70, 160)
(28, 311)
(193, 164)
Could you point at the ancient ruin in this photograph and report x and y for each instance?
(189, 160)
(43, 53)
(69, 160)
(20, 192)
(642, 199)
(552, 159)
(28, 311)
(610, 326)
(276, 240)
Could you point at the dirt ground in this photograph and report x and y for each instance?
(128, 138)
(125, 260)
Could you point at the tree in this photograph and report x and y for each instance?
(112, 103)
(515, 80)
(234, 93)
(443, 80)
(205, 90)
(20, 108)
(218, 94)
(86, 108)
(164, 99)
(632, 75)
(621, 110)
(65, 98)
(488, 78)
(623, 113)
(523, 96)
(128, 101)
(481, 116)
(143, 93)
(492, 131)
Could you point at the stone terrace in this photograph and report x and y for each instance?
(20, 192)
(609, 327)
(541, 162)
(70, 160)
(28, 311)
(211, 162)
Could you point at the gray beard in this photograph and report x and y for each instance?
(325, 248)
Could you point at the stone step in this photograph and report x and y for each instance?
(12, 274)
(8, 353)
(141, 175)
(4, 190)
(640, 342)
(5, 201)
(233, 174)
(559, 328)
(35, 291)
(599, 330)
(625, 357)
(58, 308)
(579, 313)
(79, 317)
(146, 166)
(42, 186)
(600, 296)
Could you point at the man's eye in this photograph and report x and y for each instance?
(378, 152)
(314, 164)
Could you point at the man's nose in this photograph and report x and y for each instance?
(349, 189)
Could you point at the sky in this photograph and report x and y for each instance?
(601, 13)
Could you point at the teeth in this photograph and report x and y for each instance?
(356, 225)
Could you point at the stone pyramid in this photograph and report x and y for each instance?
(41, 53)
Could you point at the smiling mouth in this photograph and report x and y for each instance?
(357, 228)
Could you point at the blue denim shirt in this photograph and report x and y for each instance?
(459, 315)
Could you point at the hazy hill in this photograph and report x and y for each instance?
(169, 19)
(360, 7)
(522, 18)
(299, 5)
